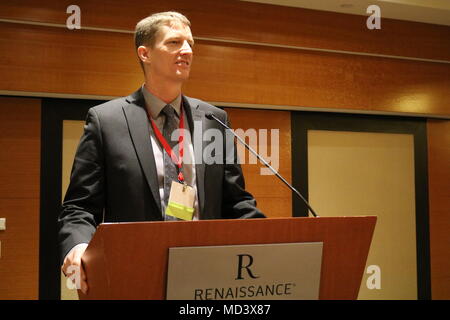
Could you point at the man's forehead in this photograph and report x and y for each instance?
(175, 28)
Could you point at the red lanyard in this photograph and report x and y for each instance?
(176, 160)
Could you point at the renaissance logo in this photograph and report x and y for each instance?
(245, 292)
(283, 271)
(244, 262)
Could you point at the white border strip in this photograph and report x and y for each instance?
(27, 94)
(269, 45)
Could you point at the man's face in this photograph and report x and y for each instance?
(171, 56)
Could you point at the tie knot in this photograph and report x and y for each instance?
(169, 111)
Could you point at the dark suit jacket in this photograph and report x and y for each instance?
(114, 176)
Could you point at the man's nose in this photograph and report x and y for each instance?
(186, 48)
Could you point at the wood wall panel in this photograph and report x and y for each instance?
(253, 22)
(45, 59)
(102, 63)
(20, 143)
(247, 74)
(20, 133)
(439, 206)
(19, 263)
(273, 197)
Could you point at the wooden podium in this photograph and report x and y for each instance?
(129, 260)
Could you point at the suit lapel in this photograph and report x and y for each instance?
(196, 118)
(138, 126)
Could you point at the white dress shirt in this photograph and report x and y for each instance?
(154, 107)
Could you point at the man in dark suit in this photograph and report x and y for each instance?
(123, 171)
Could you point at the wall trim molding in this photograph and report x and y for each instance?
(240, 42)
(228, 104)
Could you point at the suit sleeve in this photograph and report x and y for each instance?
(82, 208)
(237, 203)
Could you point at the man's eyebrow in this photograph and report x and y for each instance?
(190, 40)
(173, 38)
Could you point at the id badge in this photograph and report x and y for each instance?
(181, 201)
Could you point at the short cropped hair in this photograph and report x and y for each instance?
(147, 29)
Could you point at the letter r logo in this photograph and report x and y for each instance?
(241, 266)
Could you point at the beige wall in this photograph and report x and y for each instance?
(356, 173)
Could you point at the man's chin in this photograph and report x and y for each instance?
(182, 75)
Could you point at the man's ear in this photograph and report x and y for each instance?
(143, 53)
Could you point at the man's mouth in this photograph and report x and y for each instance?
(182, 63)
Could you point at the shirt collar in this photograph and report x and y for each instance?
(155, 105)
